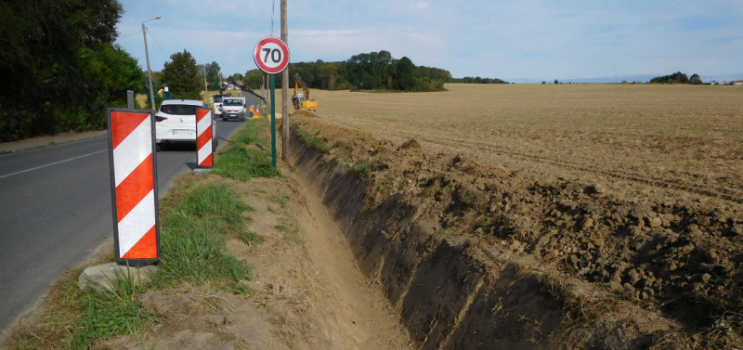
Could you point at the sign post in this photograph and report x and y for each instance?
(271, 55)
(133, 161)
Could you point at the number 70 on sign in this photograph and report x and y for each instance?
(271, 55)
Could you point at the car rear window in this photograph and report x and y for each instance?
(217, 98)
(233, 102)
(178, 109)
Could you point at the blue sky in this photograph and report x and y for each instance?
(513, 40)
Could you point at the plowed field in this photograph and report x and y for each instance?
(688, 139)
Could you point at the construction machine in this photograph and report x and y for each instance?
(302, 100)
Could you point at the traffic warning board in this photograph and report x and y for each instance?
(134, 186)
(204, 141)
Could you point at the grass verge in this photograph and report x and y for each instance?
(242, 161)
(193, 236)
(196, 220)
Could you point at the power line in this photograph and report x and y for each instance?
(130, 34)
(158, 44)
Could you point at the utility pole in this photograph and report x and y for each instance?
(147, 54)
(206, 86)
(284, 89)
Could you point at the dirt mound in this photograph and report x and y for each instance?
(304, 113)
(586, 264)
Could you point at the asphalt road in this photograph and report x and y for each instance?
(55, 209)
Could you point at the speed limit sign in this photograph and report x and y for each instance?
(271, 55)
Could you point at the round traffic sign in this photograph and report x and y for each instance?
(271, 55)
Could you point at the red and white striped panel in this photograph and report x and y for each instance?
(134, 181)
(204, 157)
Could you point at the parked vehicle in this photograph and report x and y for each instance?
(217, 101)
(234, 107)
(176, 122)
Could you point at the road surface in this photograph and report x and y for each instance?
(55, 209)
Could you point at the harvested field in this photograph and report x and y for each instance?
(686, 138)
(521, 226)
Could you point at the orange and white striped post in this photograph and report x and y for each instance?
(204, 156)
(131, 136)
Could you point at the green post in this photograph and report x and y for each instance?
(273, 121)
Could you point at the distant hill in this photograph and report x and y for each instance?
(644, 78)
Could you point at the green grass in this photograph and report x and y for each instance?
(241, 163)
(193, 237)
(250, 238)
(361, 169)
(110, 313)
(313, 141)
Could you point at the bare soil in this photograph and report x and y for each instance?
(478, 257)
(307, 291)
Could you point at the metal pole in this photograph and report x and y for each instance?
(149, 70)
(284, 89)
(273, 120)
(130, 99)
(206, 86)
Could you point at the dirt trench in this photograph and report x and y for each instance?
(501, 288)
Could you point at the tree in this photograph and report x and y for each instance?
(695, 80)
(181, 76)
(236, 77)
(46, 51)
(253, 78)
(213, 74)
(557, 81)
(675, 78)
(404, 74)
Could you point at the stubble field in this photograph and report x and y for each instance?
(639, 139)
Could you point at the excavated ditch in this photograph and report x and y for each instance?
(474, 257)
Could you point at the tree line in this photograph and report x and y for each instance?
(478, 80)
(678, 78)
(61, 67)
(363, 72)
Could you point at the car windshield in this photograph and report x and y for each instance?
(178, 109)
(233, 102)
(217, 98)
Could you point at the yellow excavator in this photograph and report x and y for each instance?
(303, 100)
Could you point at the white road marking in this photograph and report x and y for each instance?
(50, 164)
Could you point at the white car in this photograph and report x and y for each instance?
(233, 107)
(176, 122)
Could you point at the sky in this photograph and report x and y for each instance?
(516, 40)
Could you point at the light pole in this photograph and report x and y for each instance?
(206, 86)
(147, 54)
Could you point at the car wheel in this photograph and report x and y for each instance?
(224, 119)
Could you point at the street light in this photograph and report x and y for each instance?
(147, 54)
(206, 86)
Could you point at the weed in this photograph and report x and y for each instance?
(386, 185)
(250, 238)
(361, 169)
(313, 141)
(108, 313)
(282, 201)
(289, 231)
